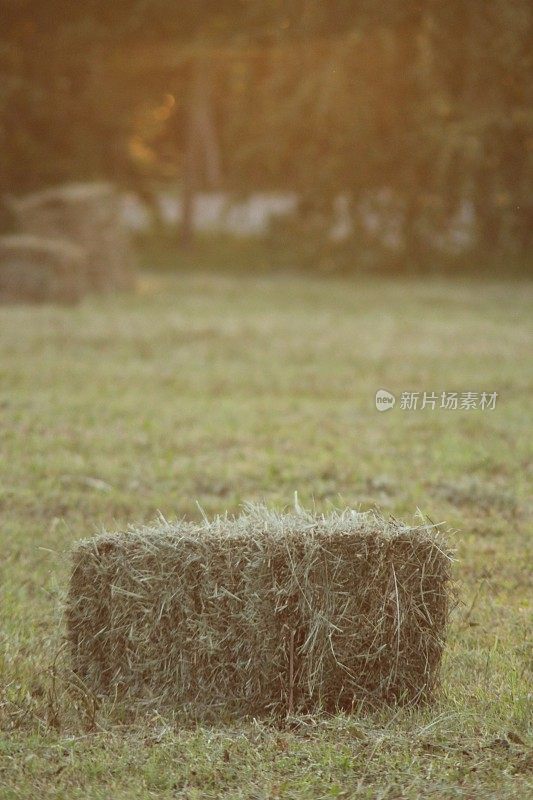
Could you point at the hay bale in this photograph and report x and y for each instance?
(88, 215)
(33, 269)
(262, 614)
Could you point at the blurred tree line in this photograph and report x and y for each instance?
(416, 111)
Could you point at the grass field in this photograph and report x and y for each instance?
(222, 390)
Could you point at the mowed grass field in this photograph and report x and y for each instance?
(219, 390)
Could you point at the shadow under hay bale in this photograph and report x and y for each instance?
(89, 216)
(33, 269)
(262, 614)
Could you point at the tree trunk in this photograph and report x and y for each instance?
(202, 154)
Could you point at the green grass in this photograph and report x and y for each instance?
(306, 252)
(226, 389)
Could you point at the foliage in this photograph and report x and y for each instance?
(425, 101)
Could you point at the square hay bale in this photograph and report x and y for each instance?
(38, 270)
(265, 613)
(90, 216)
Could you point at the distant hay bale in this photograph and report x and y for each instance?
(261, 614)
(33, 269)
(89, 216)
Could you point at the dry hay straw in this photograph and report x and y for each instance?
(265, 613)
(88, 215)
(35, 269)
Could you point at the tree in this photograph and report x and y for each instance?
(426, 103)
